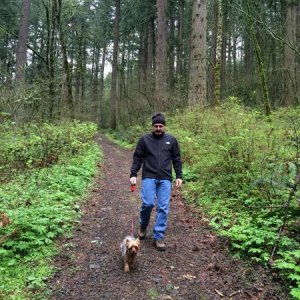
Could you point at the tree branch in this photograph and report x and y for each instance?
(268, 29)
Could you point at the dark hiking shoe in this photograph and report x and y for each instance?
(159, 245)
(142, 233)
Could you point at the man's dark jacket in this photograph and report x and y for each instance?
(157, 153)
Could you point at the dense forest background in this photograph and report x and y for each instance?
(226, 74)
(113, 62)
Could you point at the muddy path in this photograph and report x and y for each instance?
(196, 264)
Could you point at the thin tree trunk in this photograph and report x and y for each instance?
(289, 76)
(150, 58)
(248, 66)
(213, 54)
(298, 56)
(220, 64)
(224, 47)
(67, 81)
(95, 84)
(21, 57)
(171, 49)
(179, 66)
(101, 88)
(52, 29)
(261, 67)
(78, 70)
(114, 75)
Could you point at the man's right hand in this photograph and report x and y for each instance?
(133, 180)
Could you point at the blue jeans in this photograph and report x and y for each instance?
(159, 190)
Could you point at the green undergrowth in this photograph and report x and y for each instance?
(125, 137)
(41, 199)
(242, 170)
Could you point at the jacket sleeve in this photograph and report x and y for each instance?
(176, 159)
(138, 158)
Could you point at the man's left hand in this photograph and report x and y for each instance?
(178, 182)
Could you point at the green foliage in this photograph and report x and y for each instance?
(126, 137)
(241, 169)
(42, 204)
(40, 145)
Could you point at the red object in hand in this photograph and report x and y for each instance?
(132, 187)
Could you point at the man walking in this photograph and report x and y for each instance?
(157, 152)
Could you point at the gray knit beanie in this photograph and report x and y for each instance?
(158, 118)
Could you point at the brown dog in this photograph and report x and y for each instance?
(129, 248)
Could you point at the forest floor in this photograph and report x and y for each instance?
(196, 265)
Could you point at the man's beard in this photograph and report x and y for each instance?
(158, 131)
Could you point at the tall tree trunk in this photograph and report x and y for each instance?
(79, 60)
(197, 77)
(261, 67)
(220, 63)
(51, 11)
(289, 76)
(298, 56)
(161, 81)
(150, 58)
(179, 65)
(114, 75)
(143, 60)
(21, 52)
(95, 84)
(171, 53)
(67, 99)
(21, 57)
(224, 46)
(248, 67)
(213, 53)
(101, 88)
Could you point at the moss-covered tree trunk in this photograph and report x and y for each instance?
(260, 62)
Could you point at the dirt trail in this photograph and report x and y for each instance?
(196, 264)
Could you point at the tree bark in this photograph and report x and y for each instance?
(161, 80)
(197, 77)
(21, 52)
(289, 60)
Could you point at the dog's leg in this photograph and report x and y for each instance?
(126, 267)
